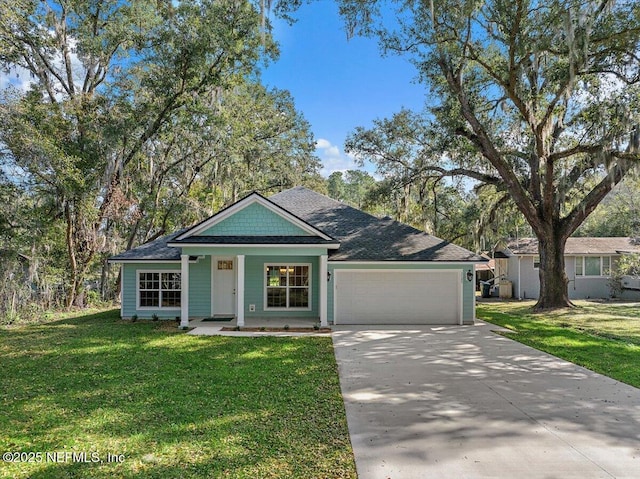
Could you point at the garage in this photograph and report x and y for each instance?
(397, 297)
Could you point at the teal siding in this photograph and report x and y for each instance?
(468, 295)
(254, 220)
(199, 290)
(468, 290)
(255, 286)
(129, 290)
(200, 285)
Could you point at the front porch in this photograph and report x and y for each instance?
(266, 287)
(252, 323)
(258, 327)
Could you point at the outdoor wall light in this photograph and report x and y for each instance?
(469, 275)
(328, 275)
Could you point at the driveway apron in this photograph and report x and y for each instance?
(464, 402)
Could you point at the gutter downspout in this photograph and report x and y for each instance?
(519, 292)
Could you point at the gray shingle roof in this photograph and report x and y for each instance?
(364, 237)
(154, 250)
(580, 246)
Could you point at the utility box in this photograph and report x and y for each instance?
(505, 289)
(630, 282)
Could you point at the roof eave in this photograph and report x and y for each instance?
(182, 244)
(142, 260)
(407, 261)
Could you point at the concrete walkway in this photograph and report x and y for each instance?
(215, 328)
(218, 331)
(463, 402)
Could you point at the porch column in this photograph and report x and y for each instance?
(323, 291)
(184, 291)
(240, 291)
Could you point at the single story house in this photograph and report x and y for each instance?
(588, 265)
(300, 254)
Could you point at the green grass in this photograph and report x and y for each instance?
(604, 337)
(173, 405)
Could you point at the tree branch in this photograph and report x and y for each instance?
(589, 203)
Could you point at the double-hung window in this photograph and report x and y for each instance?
(159, 289)
(593, 266)
(606, 266)
(288, 286)
(579, 265)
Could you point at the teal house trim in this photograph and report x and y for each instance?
(254, 220)
(302, 255)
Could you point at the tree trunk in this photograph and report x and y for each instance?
(554, 292)
(73, 263)
(104, 278)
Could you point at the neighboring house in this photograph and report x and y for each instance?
(588, 264)
(300, 254)
(484, 271)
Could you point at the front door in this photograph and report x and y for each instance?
(224, 286)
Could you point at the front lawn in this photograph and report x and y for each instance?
(159, 403)
(604, 337)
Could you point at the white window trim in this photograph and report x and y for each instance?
(578, 260)
(160, 307)
(288, 265)
(584, 266)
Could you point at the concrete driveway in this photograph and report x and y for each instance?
(463, 402)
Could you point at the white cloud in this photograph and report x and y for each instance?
(21, 79)
(333, 159)
(17, 78)
(322, 143)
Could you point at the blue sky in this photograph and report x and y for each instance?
(338, 84)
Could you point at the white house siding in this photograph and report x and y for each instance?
(525, 279)
(580, 287)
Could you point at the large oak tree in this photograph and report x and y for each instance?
(540, 99)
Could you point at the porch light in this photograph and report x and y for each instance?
(328, 275)
(469, 275)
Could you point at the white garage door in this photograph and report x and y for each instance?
(397, 297)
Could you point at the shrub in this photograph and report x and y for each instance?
(92, 297)
(627, 265)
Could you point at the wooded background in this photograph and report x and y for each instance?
(142, 117)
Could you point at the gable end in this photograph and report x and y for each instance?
(254, 215)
